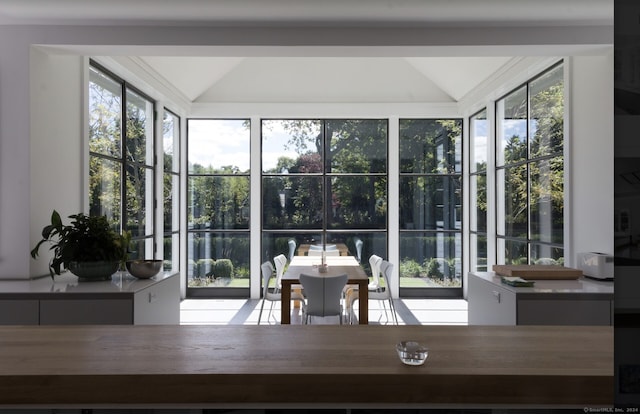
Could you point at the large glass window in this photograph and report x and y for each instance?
(121, 162)
(431, 204)
(479, 153)
(529, 171)
(218, 206)
(324, 181)
(171, 193)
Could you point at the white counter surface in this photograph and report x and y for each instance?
(121, 284)
(582, 285)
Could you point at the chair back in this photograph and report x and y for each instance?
(267, 274)
(292, 248)
(359, 243)
(323, 294)
(327, 252)
(385, 269)
(280, 262)
(375, 262)
(321, 247)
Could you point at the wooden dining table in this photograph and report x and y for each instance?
(336, 265)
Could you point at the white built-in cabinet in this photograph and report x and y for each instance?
(123, 300)
(549, 302)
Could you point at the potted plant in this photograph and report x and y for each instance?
(88, 247)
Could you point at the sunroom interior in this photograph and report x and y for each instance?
(267, 75)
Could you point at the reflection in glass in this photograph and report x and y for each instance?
(171, 203)
(511, 113)
(218, 202)
(141, 249)
(478, 184)
(547, 200)
(171, 193)
(547, 113)
(171, 142)
(139, 181)
(431, 259)
(513, 201)
(430, 145)
(105, 114)
(139, 129)
(105, 189)
(513, 252)
(358, 202)
(479, 142)
(357, 146)
(546, 255)
(171, 252)
(430, 202)
(478, 252)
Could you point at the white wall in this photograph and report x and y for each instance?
(590, 157)
(14, 156)
(56, 144)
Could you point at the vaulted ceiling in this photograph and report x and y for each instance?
(217, 78)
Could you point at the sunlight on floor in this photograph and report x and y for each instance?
(246, 311)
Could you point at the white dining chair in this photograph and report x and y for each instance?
(359, 243)
(292, 248)
(281, 262)
(324, 295)
(377, 291)
(273, 295)
(320, 247)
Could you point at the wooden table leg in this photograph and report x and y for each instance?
(285, 306)
(363, 298)
(296, 303)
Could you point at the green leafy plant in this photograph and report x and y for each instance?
(86, 239)
(223, 268)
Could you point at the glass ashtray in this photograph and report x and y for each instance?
(411, 352)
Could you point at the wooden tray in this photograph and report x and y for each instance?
(538, 272)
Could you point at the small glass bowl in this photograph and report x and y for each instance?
(411, 352)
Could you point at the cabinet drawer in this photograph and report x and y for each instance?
(86, 311)
(19, 312)
(564, 312)
(490, 304)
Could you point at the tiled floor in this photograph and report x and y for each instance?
(246, 311)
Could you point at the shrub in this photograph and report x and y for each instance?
(223, 268)
(241, 273)
(410, 268)
(204, 267)
(433, 269)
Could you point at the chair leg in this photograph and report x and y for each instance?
(270, 310)
(393, 311)
(386, 315)
(260, 314)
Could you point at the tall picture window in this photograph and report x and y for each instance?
(479, 153)
(324, 184)
(530, 171)
(171, 190)
(431, 205)
(121, 158)
(218, 202)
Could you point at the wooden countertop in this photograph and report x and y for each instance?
(291, 365)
